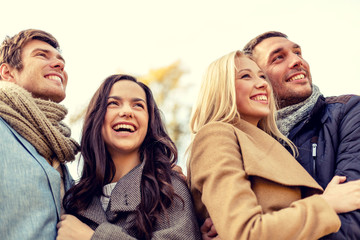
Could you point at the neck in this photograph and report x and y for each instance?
(124, 163)
(282, 103)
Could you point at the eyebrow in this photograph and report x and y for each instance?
(249, 70)
(133, 99)
(58, 56)
(243, 70)
(272, 53)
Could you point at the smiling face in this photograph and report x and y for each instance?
(252, 90)
(287, 71)
(43, 71)
(126, 119)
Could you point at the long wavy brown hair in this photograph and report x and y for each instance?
(157, 150)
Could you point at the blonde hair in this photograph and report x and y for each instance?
(217, 100)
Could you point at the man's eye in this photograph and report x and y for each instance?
(263, 76)
(279, 57)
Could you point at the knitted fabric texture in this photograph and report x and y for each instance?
(289, 116)
(39, 122)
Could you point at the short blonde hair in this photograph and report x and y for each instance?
(217, 100)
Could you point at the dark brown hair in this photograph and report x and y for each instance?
(249, 47)
(157, 150)
(10, 49)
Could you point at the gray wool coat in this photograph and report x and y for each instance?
(115, 222)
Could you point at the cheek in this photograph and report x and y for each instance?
(103, 134)
(146, 124)
(106, 124)
(274, 75)
(65, 80)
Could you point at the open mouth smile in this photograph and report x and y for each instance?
(259, 98)
(124, 127)
(54, 78)
(296, 77)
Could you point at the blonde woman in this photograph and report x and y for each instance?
(241, 176)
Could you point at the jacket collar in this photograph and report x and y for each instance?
(265, 157)
(125, 197)
(316, 113)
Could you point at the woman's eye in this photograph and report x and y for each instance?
(112, 103)
(41, 54)
(263, 76)
(245, 76)
(139, 105)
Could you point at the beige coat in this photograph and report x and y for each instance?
(252, 188)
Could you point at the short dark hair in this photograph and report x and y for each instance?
(249, 47)
(10, 49)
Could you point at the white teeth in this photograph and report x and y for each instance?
(124, 126)
(260, 98)
(53, 77)
(300, 76)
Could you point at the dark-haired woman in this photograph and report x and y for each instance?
(128, 189)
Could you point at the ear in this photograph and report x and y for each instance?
(6, 73)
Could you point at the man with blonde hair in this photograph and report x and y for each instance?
(34, 143)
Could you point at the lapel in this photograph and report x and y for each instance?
(265, 157)
(52, 175)
(95, 212)
(125, 197)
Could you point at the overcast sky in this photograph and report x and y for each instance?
(98, 40)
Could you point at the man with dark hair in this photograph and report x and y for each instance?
(34, 143)
(326, 131)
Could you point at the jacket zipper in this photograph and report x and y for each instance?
(314, 141)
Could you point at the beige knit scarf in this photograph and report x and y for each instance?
(39, 122)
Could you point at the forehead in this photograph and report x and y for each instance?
(270, 45)
(244, 62)
(127, 89)
(37, 44)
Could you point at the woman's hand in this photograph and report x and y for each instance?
(71, 228)
(208, 231)
(342, 197)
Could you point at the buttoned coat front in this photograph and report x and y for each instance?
(115, 223)
(252, 188)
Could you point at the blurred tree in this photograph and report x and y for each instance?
(165, 84)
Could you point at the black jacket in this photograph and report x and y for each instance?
(329, 144)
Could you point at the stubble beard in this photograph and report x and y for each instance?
(291, 99)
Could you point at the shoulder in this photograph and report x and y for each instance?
(343, 106)
(342, 99)
(8, 135)
(179, 185)
(214, 131)
(4, 126)
(215, 126)
(345, 102)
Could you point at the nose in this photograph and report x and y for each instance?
(261, 83)
(126, 111)
(58, 64)
(295, 61)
